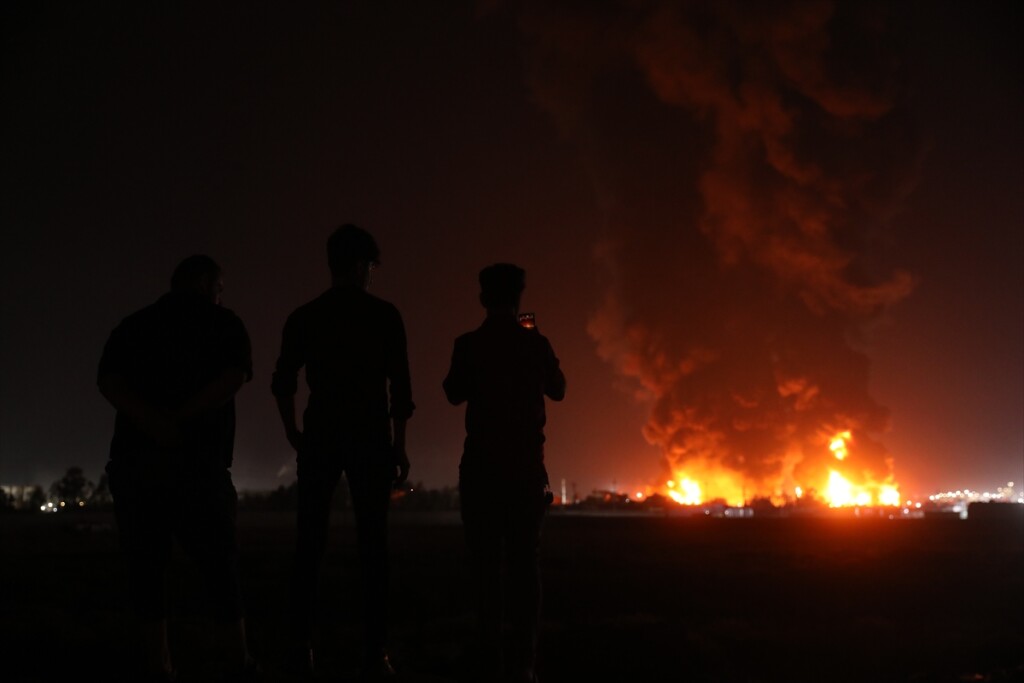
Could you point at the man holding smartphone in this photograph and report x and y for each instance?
(503, 370)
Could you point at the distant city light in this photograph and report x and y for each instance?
(966, 495)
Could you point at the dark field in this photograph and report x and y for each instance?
(626, 599)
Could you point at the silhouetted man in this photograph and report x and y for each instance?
(353, 347)
(503, 371)
(172, 370)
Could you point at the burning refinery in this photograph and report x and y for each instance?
(685, 497)
(839, 487)
(747, 269)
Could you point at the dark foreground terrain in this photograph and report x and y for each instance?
(627, 599)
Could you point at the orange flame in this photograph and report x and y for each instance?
(838, 445)
(839, 486)
(686, 492)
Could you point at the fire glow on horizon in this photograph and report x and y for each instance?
(839, 488)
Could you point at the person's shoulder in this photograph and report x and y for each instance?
(528, 335)
(466, 341)
(139, 316)
(467, 337)
(377, 302)
(226, 316)
(143, 317)
(380, 308)
(538, 340)
(311, 307)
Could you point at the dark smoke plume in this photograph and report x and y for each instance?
(750, 156)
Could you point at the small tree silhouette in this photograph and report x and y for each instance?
(72, 488)
(36, 499)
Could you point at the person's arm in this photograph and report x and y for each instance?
(234, 355)
(156, 423)
(400, 389)
(456, 382)
(213, 395)
(112, 379)
(286, 380)
(286, 409)
(401, 456)
(554, 378)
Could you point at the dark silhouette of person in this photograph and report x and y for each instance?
(353, 346)
(171, 370)
(502, 371)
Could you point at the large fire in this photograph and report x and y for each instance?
(745, 202)
(840, 486)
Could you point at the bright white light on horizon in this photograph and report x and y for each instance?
(966, 495)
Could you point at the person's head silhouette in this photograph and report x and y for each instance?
(199, 274)
(352, 254)
(501, 286)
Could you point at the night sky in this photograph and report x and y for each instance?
(752, 221)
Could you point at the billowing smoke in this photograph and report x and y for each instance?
(749, 156)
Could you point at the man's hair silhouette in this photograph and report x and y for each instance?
(501, 285)
(193, 269)
(349, 245)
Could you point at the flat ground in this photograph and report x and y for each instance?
(626, 599)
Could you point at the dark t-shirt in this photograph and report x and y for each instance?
(503, 372)
(166, 353)
(353, 347)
